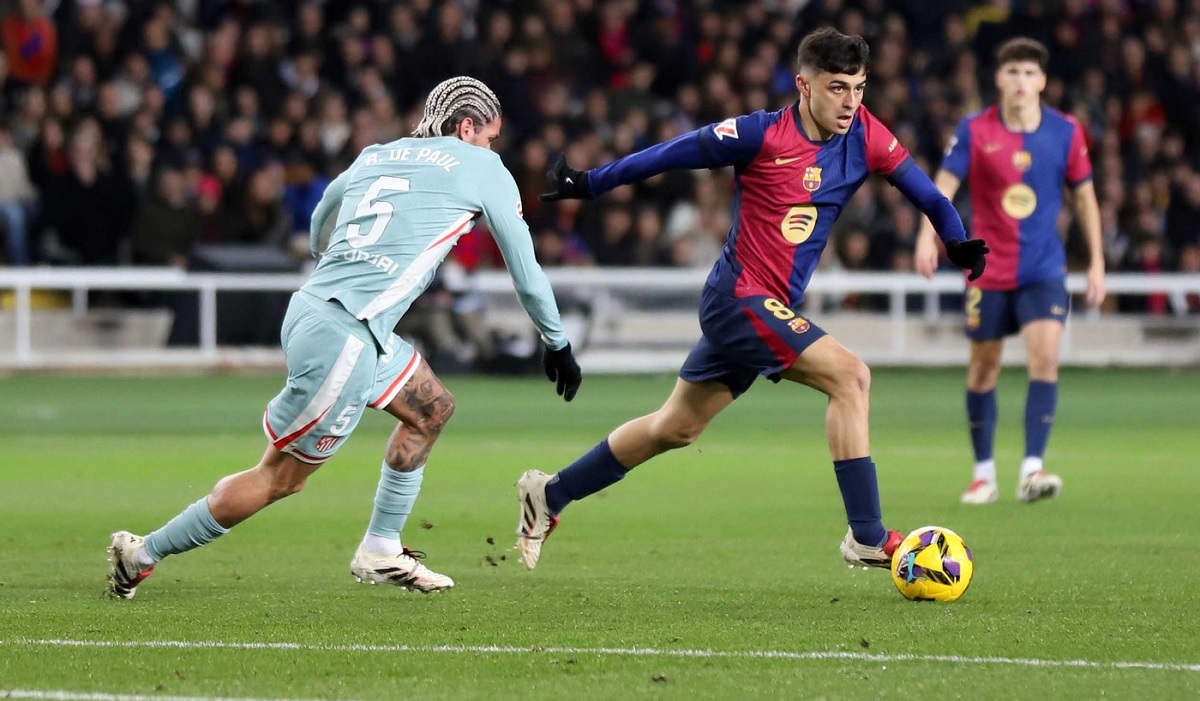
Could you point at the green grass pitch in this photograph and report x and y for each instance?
(712, 572)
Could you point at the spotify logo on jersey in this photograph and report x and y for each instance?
(799, 223)
(1019, 201)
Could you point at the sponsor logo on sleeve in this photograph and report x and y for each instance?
(726, 128)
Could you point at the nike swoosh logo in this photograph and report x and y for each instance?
(991, 148)
(785, 161)
(570, 181)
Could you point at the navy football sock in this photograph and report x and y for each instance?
(981, 417)
(593, 471)
(1040, 405)
(860, 493)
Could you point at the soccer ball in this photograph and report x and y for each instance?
(932, 564)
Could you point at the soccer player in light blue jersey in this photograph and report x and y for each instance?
(397, 211)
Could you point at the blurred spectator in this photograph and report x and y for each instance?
(165, 228)
(88, 207)
(259, 104)
(30, 45)
(696, 228)
(261, 216)
(16, 197)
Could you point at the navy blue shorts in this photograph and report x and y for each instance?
(745, 337)
(994, 314)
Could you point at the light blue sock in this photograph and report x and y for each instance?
(193, 527)
(394, 499)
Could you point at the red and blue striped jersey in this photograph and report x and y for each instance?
(1016, 185)
(789, 190)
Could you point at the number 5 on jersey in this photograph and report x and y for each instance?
(370, 205)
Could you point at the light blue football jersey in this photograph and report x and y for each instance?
(404, 205)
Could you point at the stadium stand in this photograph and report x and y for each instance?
(171, 133)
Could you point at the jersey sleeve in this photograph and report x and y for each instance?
(885, 153)
(957, 159)
(318, 232)
(733, 142)
(501, 202)
(1079, 166)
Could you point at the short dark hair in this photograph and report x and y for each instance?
(1022, 49)
(829, 50)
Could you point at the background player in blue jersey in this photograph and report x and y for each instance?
(399, 209)
(795, 170)
(1015, 158)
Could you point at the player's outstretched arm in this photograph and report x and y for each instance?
(728, 143)
(501, 203)
(925, 257)
(968, 254)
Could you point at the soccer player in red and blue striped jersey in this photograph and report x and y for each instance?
(1015, 158)
(795, 170)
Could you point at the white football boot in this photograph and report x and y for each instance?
(981, 492)
(125, 573)
(1038, 486)
(534, 523)
(858, 555)
(403, 570)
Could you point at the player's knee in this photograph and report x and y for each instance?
(862, 376)
(439, 411)
(434, 415)
(853, 377)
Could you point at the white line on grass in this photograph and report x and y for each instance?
(64, 695)
(621, 651)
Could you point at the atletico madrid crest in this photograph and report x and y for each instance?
(326, 443)
(812, 178)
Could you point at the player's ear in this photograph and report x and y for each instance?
(466, 129)
(803, 86)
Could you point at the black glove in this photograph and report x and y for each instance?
(566, 183)
(560, 367)
(968, 255)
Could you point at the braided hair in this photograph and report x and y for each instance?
(452, 101)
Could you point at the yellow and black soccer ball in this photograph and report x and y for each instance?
(932, 564)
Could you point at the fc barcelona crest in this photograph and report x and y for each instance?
(1022, 161)
(812, 178)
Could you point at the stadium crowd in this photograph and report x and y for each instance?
(132, 132)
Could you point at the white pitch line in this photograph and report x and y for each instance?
(65, 695)
(619, 651)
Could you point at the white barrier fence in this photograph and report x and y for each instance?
(603, 288)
